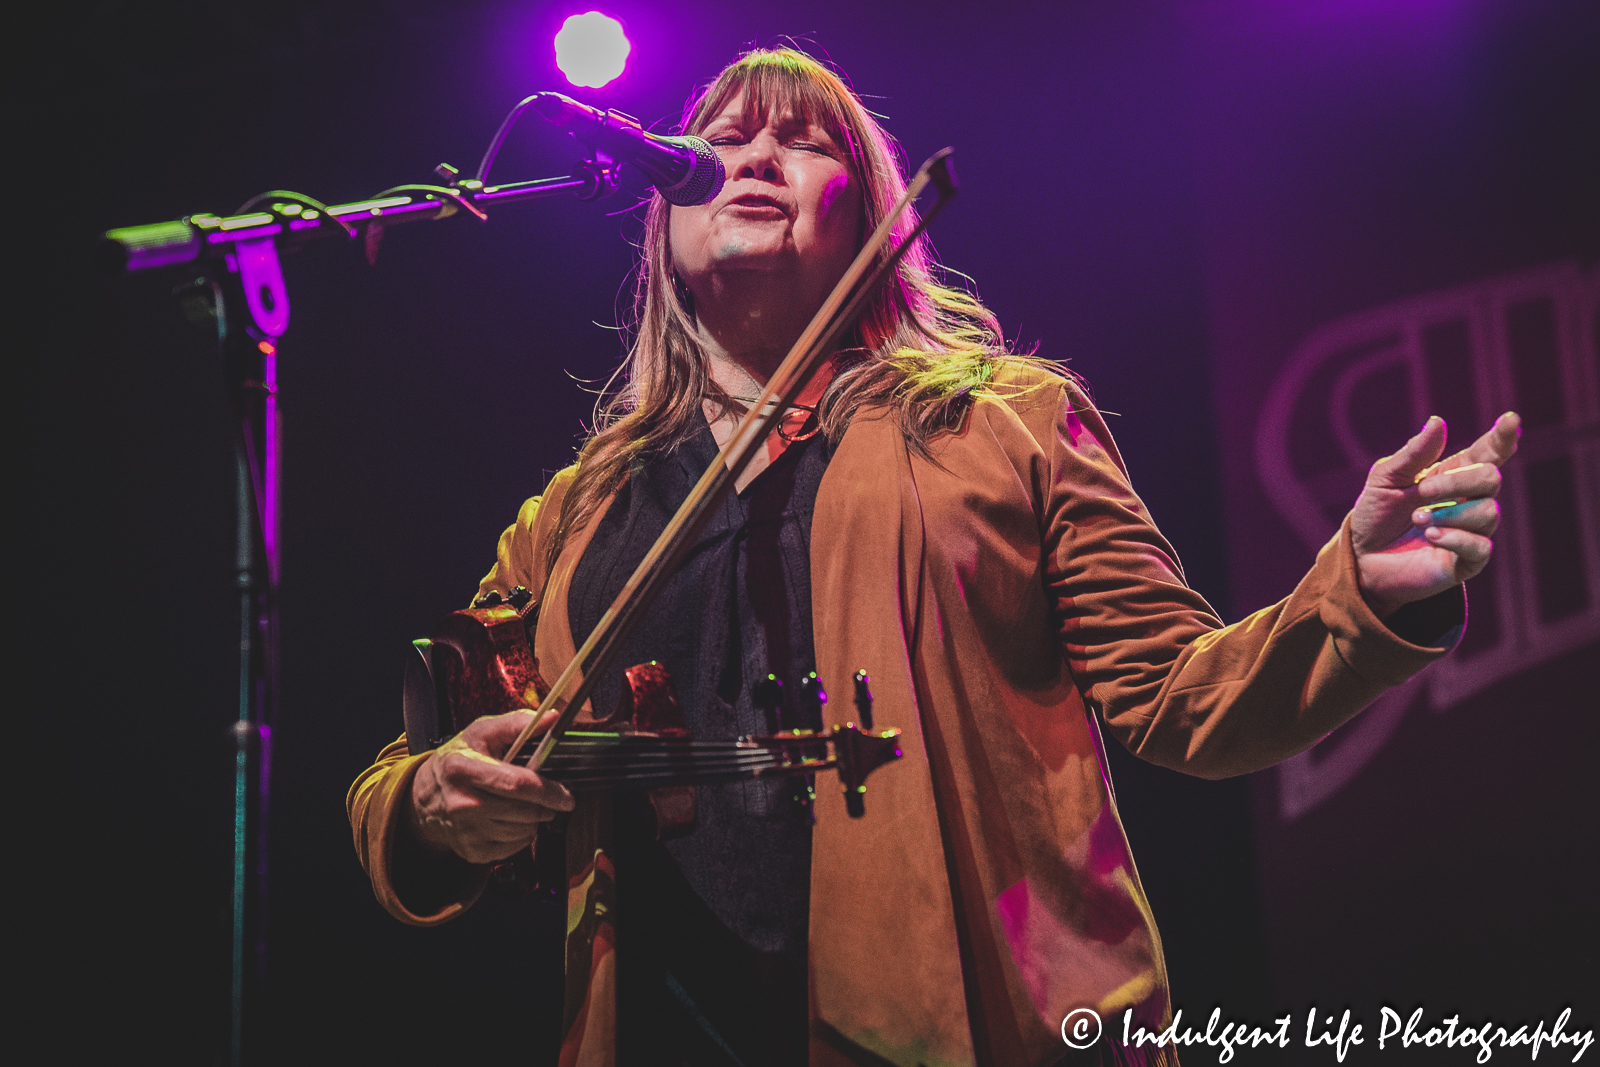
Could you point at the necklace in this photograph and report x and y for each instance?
(805, 411)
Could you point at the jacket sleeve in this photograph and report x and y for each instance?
(420, 890)
(1174, 684)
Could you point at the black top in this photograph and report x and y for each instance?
(712, 926)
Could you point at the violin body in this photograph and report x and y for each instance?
(478, 662)
(481, 662)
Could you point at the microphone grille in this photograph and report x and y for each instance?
(703, 182)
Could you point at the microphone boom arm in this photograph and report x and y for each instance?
(686, 170)
(287, 218)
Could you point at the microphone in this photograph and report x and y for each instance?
(685, 170)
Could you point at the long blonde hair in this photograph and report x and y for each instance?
(923, 348)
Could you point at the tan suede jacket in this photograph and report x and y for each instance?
(1000, 595)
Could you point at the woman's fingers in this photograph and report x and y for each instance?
(1450, 504)
(1403, 469)
(1496, 446)
(510, 811)
(496, 809)
(1478, 516)
(1471, 482)
(472, 772)
(483, 849)
(515, 834)
(493, 734)
(1471, 549)
(545, 792)
(472, 761)
(466, 800)
(1499, 444)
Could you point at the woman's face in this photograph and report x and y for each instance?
(790, 206)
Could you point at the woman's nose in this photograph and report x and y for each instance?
(759, 159)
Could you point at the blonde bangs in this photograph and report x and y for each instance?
(782, 83)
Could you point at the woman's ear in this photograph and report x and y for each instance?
(685, 295)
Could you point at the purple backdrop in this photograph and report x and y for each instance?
(1396, 224)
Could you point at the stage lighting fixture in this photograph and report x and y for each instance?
(591, 49)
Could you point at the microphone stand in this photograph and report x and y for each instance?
(239, 257)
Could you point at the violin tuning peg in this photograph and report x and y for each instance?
(855, 802)
(812, 695)
(863, 700)
(491, 599)
(519, 598)
(768, 693)
(768, 696)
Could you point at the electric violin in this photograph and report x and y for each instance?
(481, 662)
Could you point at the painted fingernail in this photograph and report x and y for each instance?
(1440, 506)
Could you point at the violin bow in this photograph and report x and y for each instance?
(650, 577)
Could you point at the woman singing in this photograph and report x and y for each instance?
(956, 520)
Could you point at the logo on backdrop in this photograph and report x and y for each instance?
(1353, 389)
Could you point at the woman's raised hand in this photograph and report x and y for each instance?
(1422, 525)
(464, 800)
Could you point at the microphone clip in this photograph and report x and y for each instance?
(601, 171)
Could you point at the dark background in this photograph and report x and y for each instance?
(1143, 184)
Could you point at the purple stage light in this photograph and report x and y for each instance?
(591, 49)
